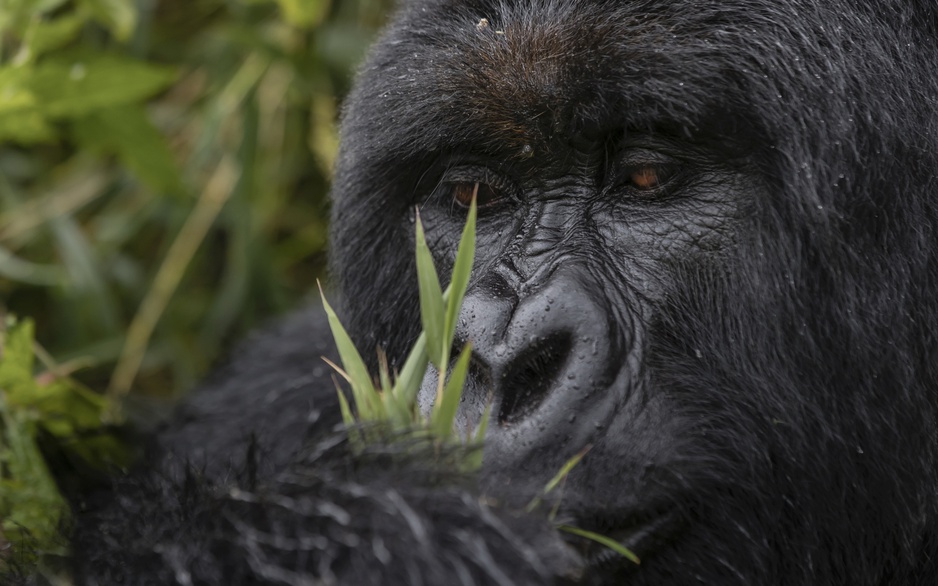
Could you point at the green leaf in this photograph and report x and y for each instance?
(70, 88)
(397, 412)
(347, 418)
(444, 413)
(602, 539)
(16, 360)
(48, 35)
(118, 16)
(354, 434)
(15, 15)
(20, 118)
(384, 374)
(68, 408)
(366, 398)
(431, 301)
(127, 132)
(411, 376)
(30, 504)
(26, 128)
(462, 268)
(304, 13)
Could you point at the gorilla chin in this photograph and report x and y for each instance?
(706, 253)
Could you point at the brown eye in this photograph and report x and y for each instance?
(484, 193)
(646, 178)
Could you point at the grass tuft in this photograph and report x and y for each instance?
(392, 401)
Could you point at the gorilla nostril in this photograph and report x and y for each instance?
(531, 375)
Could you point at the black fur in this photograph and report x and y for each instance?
(771, 317)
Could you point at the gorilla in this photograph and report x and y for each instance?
(707, 245)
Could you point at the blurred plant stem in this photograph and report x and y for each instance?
(167, 279)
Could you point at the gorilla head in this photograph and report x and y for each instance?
(706, 248)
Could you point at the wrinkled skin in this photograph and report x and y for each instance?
(706, 251)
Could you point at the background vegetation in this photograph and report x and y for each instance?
(164, 166)
(163, 172)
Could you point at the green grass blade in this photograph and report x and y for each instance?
(384, 373)
(431, 300)
(474, 458)
(462, 268)
(603, 540)
(479, 436)
(347, 418)
(565, 470)
(397, 413)
(409, 380)
(354, 433)
(379, 411)
(363, 391)
(444, 413)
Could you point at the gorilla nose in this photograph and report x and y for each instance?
(527, 375)
(543, 361)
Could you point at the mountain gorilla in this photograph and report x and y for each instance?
(707, 245)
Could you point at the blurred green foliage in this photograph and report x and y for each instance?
(163, 173)
(163, 176)
(48, 408)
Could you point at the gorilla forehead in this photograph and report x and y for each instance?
(570, 66)
(519, 74)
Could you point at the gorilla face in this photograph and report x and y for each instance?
(577, 252)
(705, 250)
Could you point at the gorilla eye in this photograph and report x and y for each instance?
(485, 194)
(647, 178)
(646, 172)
